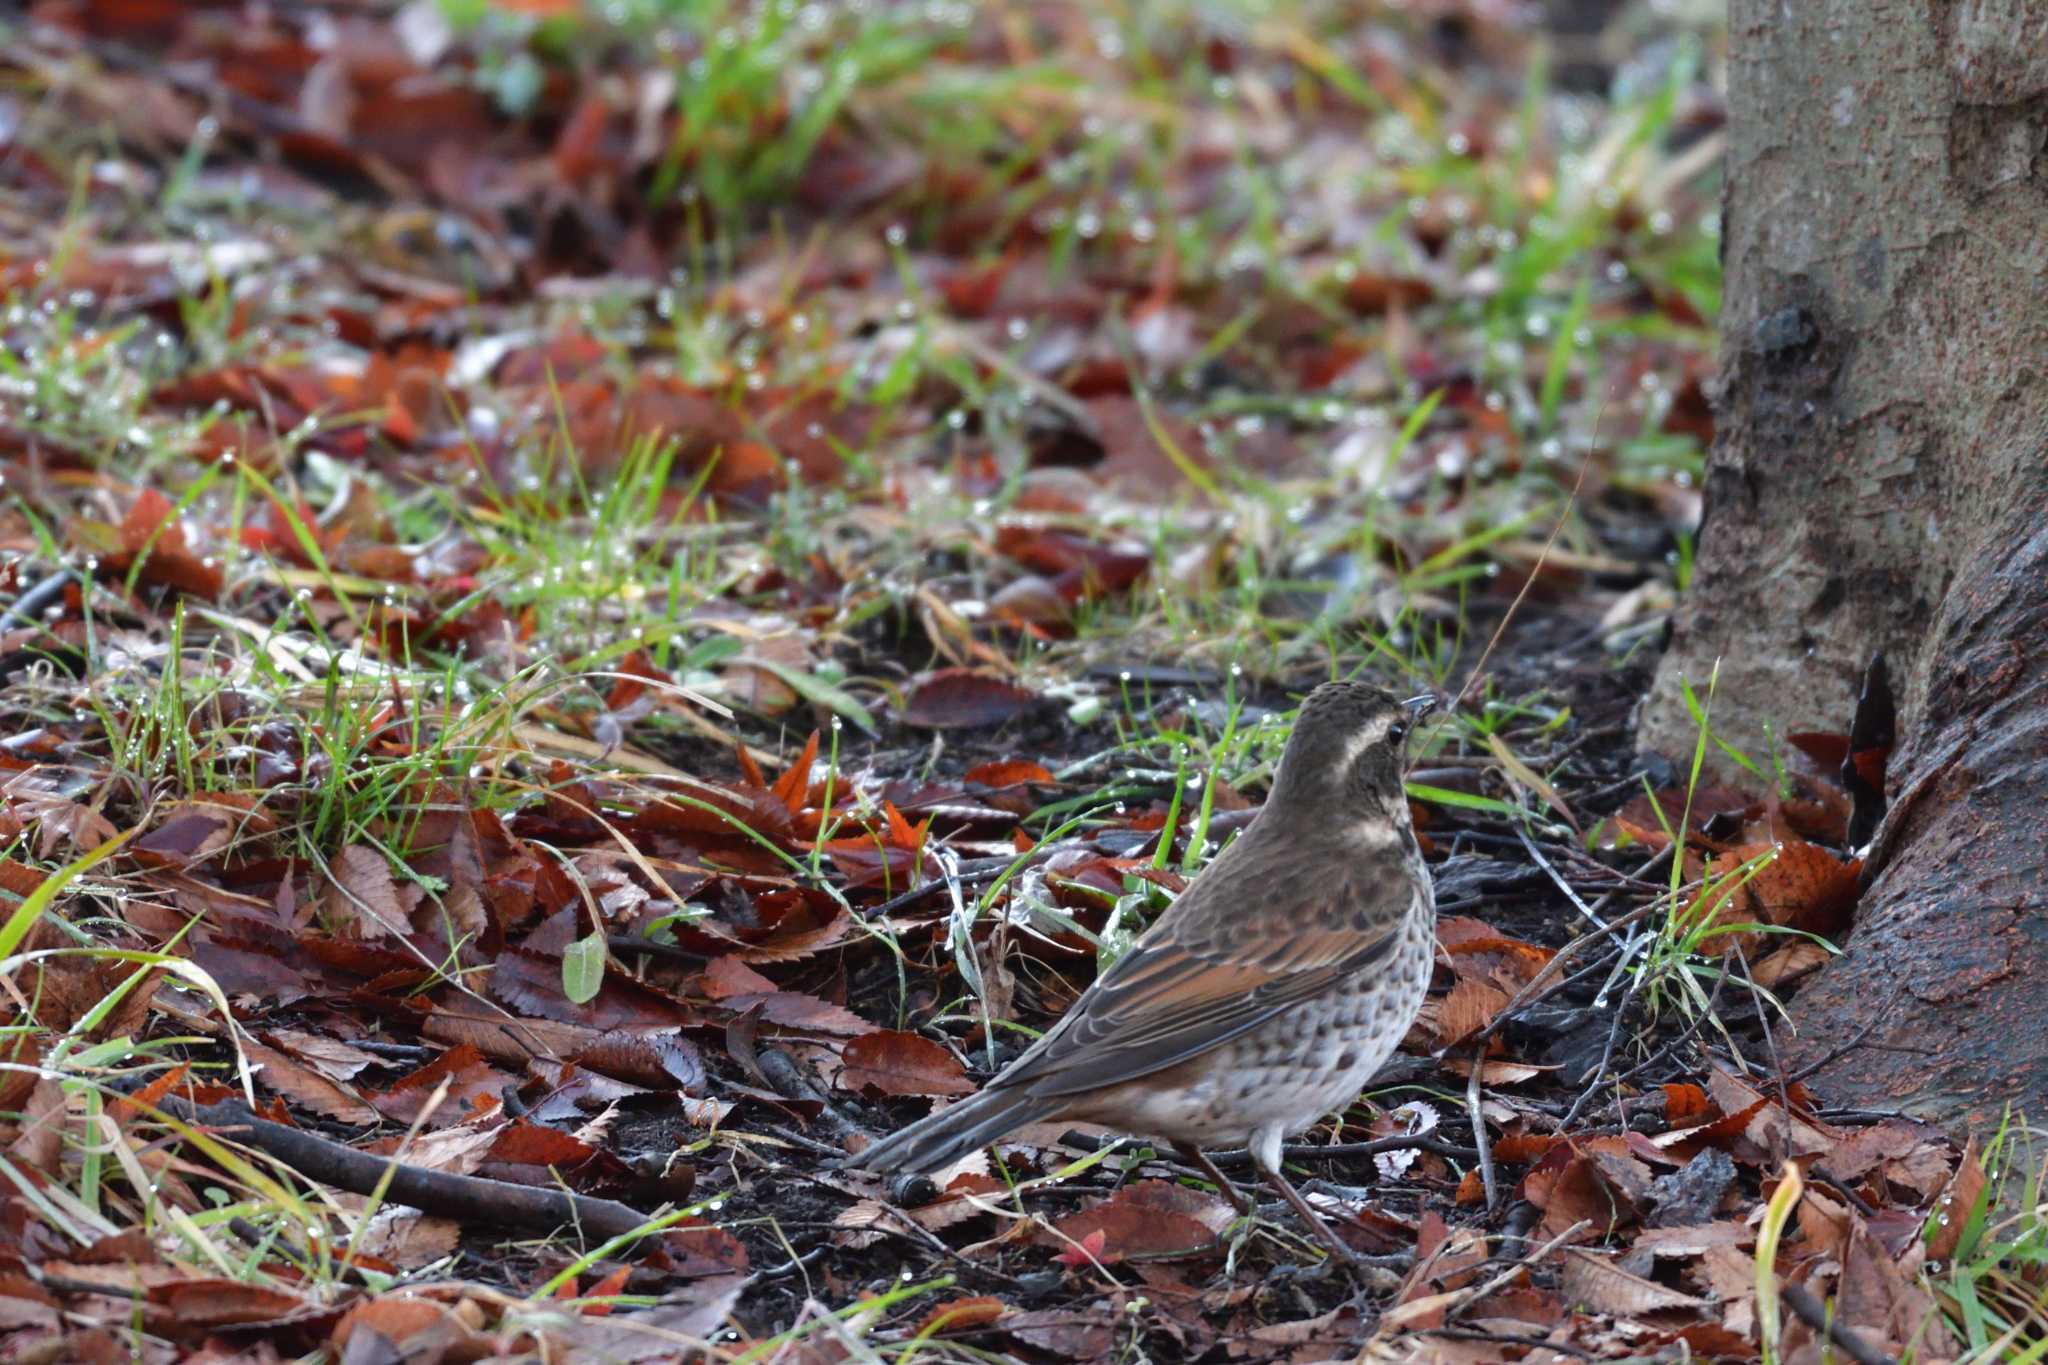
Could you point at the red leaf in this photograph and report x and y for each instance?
(898, 1063)
(1371, 294)
(794, 786)
(151, 532)
(1087, 1251)
(1148, 1218)
(1009, 772)
(961, 1315)
(961, 698)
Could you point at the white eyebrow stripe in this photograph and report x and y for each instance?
(1364, 739)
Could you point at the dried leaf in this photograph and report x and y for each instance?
(898, 1063)
(1592, 1280)
(1147, 1218)
(962, 698)
(364, 896)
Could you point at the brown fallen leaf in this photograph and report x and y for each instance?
(1789, 963)
(1470, 1007)
(1592, 1280)
(963, 699)
(1957, 1203)
(1146, 1218)
(306, 1087)
(364, 896)
(226, 1303)
(899, 1063)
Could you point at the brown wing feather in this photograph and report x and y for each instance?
(1188, 985)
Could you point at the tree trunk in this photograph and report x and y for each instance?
(1879, 481)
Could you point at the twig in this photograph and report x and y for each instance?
(1606, 1055)
(789, 1078)
(1534, 990)
(1556, 878)
(976, 873)
(1814, 1314)
(647, 947)
(1510, 1339)
(465, 1198)
(1478, 1292)
(1691, 1031)
(1479, 1129)
(25, 609)
(1835, 1183)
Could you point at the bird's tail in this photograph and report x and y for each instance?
(952, 1133)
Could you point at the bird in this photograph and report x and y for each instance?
(1264, 997)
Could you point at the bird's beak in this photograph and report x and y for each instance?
(1422, 705)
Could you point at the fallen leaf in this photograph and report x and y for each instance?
(1592, 1280)
(961, 1315)
(963, 698)
(898, 1063)
(364, 895)
(1147, 1218)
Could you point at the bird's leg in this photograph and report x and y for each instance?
(1199, 1159)
(1324, 1232)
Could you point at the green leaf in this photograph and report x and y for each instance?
(815, 689)
(583, 968)
(1444, 796)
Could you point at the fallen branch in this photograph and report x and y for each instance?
(468, 1199)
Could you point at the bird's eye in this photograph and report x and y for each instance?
(1397, 732)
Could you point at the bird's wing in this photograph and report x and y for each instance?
(1167, 1000)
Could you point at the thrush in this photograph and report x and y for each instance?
(1265, 996)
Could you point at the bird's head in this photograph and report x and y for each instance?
(1344, 760)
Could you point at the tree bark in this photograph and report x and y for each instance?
(1879, 481)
